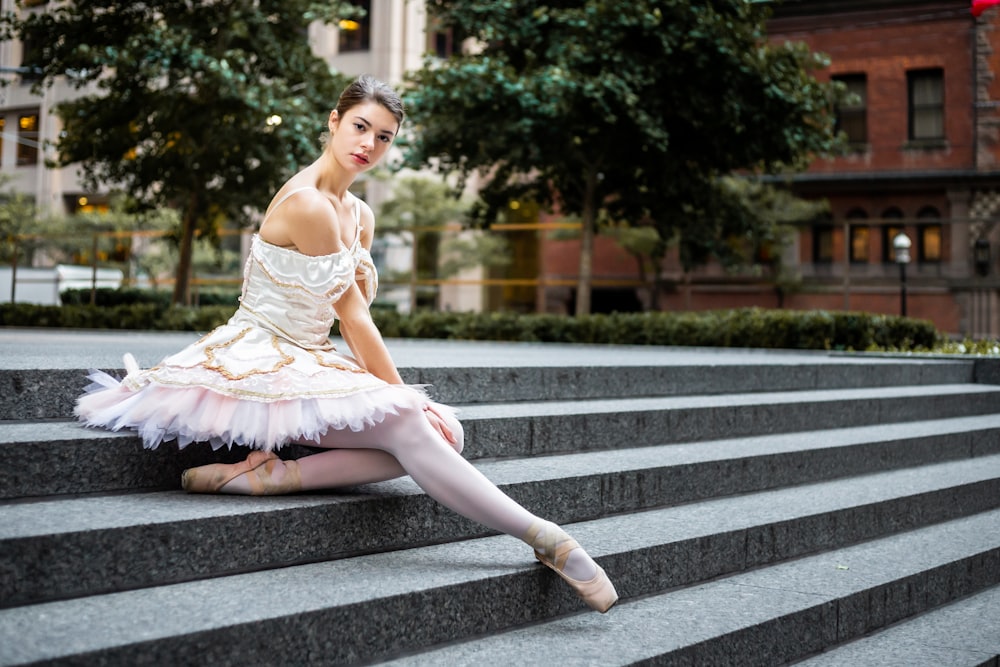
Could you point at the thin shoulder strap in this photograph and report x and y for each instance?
(357, 220)
(286, 196)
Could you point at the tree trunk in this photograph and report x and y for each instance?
(182, 292)
(587, 246)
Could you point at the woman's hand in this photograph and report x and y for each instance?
(438, 423)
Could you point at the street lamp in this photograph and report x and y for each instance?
(901, 243)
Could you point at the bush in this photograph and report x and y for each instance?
(107, 296)
(747, 327)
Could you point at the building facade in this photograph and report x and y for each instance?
(923, 159)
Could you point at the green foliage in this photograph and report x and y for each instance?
(176, 98)
(106, 297)
(746, 328)
(635, 108)
(138, 316)
(751, 328)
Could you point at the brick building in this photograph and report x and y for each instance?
(924, 159)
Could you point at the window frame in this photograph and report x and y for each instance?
(917, 111)
(858, 112)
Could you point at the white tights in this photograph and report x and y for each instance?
(407, 444)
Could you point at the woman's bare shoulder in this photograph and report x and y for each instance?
(304, 220)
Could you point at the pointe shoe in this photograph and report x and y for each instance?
(599, 593)
(211, 478)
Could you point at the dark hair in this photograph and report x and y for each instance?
(369, 89)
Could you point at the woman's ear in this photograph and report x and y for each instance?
(333, 122)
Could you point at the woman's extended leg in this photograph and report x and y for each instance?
(451, 480)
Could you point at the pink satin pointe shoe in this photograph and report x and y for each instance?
(258, 467)
(599, 593)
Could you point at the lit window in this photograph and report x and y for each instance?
(889, 232)
(926, 104)
(27, 139)
(860, 237)
(354, 34)
(929, 236)
(852, 116)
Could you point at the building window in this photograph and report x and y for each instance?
(27, 139)
(443, 41)
(889, 232)
(354, 34)
(860, 237)
(852, 115)
(926, 89)
(823, 244)
(929, 235)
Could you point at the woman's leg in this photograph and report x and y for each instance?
(338, 468)
(451, 480)
(439, 470)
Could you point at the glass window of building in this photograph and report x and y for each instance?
(860, 238)
(926, 103)
(27, 139)
(852, 115)
(354, 34)
(823, 244)
(889, 232)
(929, 233)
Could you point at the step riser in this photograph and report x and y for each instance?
(50, 394)
(378, 629)
(842, 620)
(83, 563)
(105, 465)
(119, 463)
(554, 434)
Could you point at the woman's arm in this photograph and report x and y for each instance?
(363, 337)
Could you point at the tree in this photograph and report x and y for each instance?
(621, 111)
(201, 106)
(17, 218)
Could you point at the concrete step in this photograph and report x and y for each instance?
(380, 605)
(116, 542)
(557, 426)
(32, 393)
(47, 458)
(771, 615)
(965, 633)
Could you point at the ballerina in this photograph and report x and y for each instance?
(271, 376)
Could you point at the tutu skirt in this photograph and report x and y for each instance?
(243, 385)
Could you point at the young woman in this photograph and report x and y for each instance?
(271, 375)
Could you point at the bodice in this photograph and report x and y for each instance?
(292, 295)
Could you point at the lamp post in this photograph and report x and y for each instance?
(901, 243)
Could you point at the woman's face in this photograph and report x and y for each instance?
(361, 138)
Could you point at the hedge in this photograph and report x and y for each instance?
(746, 327)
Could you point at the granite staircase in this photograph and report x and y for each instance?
(822, 509)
